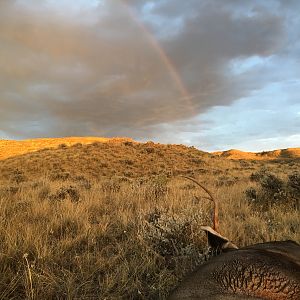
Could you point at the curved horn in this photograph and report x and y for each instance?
(211, 197)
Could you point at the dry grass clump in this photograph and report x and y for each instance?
(103, 221)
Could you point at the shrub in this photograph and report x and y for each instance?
(60, 175)
(171, 237)
(257, 176)
(62, 146)
(156, 188)
(66, 192)
(271, 184)
(198, 161)
(128, 162)
(149, 150)
(272, 189)
(9, 190)
(251, 194)
(293, 184)
(18, 176)
(78, 145)
(111, 186)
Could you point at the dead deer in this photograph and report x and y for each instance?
(262, 271)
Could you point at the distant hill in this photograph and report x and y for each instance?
(288, 153)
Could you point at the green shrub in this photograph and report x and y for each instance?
(272, 189)
(293, 184)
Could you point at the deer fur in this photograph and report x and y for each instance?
(262, 271)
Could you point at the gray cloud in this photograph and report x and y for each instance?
(98, 70)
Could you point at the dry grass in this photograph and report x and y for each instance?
(11, 148)
(288, 153)
(114, 221)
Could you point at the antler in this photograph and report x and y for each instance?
(211, 198)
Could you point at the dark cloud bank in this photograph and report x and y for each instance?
(95, 71)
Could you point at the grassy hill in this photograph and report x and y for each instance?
(96, 159)
(10, 148)
(67, 158)
(289, 153)
(89, 218)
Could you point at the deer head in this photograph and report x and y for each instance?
(262, 271)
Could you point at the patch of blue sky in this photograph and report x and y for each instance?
(241, 65)
(162, 27)
(4, 135)
(258, 122)
(267, 119)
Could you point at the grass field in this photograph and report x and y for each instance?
(113, 219)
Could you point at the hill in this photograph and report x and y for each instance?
(68, 158)
(97, 158)
(92, 218)
(289, 153)
(9, 148)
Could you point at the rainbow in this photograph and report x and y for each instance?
(162, 55)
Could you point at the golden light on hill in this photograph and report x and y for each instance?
(265, 155)
(10, 148)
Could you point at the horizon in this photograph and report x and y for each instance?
(146, 141)
(216, 75)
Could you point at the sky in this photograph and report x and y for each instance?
(215, 74)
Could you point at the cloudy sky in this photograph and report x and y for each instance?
(216, 74)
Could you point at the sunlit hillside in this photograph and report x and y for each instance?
(97, 158)
(288, 153)
(9, 148)
(113, 219)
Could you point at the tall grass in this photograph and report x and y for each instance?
(118, 239)
(105, 221)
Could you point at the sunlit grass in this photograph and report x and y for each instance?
(68, 231)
